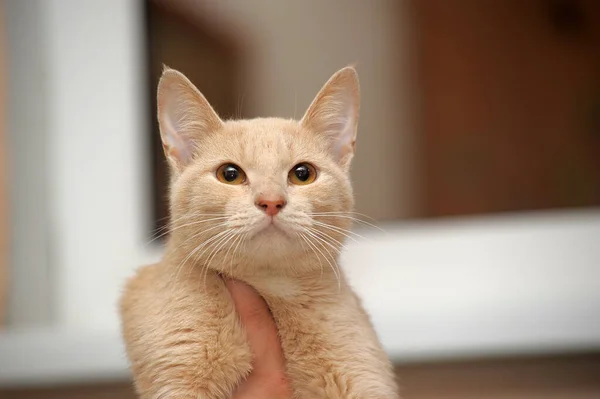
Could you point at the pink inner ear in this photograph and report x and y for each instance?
(176, 145)
(184, 115)
(334, 112)
(345, 132)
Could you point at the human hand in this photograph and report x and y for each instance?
(268, 379)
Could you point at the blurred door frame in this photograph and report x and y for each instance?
(210, 54)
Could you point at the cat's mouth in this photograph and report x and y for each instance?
(275, 226)
(272, 225)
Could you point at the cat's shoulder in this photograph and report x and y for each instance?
(147, 275)
(143, 286)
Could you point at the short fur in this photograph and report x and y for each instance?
(182, 334)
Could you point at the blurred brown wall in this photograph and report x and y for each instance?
(509, 104)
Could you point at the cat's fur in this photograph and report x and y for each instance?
(182, 334)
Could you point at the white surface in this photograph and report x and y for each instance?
(527, 282)
(47, 357)
(99, 208)
(27, 115)
(79, 148)
(444, 289)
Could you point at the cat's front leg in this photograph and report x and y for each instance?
(333, 351)
(182, 336)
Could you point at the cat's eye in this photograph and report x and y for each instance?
(302, 174)
(231, 174)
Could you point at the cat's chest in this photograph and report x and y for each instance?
(328, 349)
(305, 322)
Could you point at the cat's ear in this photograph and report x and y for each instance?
(334, 113)
(184, 116)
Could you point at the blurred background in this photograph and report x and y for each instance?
(478, 152)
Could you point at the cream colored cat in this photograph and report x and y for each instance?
(268, 202)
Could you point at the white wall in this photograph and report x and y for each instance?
(98, 153)
(79, 149)
(30, 300)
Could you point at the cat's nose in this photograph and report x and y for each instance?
(270, 205)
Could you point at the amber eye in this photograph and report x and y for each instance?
(231, 174)
(302, 174)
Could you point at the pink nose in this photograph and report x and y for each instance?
(270, 206)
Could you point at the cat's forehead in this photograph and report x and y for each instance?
(266, 141)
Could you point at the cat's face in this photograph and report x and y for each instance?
(261, 189)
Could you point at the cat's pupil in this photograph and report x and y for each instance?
(302, 173)
(231, 173)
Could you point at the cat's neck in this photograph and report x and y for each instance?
(286, 277)
(291, 288)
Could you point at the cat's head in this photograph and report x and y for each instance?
(264, 189)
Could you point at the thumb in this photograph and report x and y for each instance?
(261, 329)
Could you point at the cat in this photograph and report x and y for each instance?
(269, 202)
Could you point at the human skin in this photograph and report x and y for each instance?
(268, 379)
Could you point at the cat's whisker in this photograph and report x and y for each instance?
(320, 241)
(241, 247)
(168, 218)
(215, 251)
(210, 252)
(212, 243)
(195, 250)
(345, 213)
(327, 237)
(191, 253)
(175, 228)
(195, 218)
(301, 235)
(240, 106)
(346, 233)
(184, 217)
(307, 253)
(218, 247)
(194, 215)
(195, 235)
(347, 216)
(244, 245)
(242, 238)
(303, 247)
(199, 233)
(176, 271)
(235, 241)
(317, 234)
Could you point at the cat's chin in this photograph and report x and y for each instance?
(273, 238)
(272, 233)
(273, 228)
